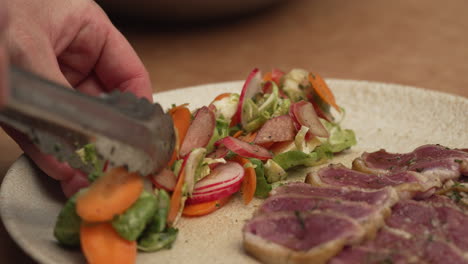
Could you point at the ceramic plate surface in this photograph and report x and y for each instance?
(397, 118)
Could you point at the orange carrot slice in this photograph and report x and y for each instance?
(249, 182)
(176, 198)
(101, 245)
(322, 89)
(267, 77)
(181, 117)
(175, 108)
(204, 208)
(221, 96)
(249, 138)
(237, 134)
(110, 195)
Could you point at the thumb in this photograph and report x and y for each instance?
(71, 179)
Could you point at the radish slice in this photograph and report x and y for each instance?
(278, 129)
(222, 174)
(213, 187)
(166, 179)
(212, 107)
(215, 195)
(193, 161)
(306, 116)
(276, 75)
(200, 131)
(252, 86)
(218, 153)
(245, 149)
(223, 181)
(293, 117)
(281, 147)
(267, 88)
(321, 113)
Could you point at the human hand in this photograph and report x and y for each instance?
(75, 44)
(3, 58)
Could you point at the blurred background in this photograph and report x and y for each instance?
(187, 42)
(420, 43)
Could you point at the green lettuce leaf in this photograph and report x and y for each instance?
(263, 188)
(339, 139)
(294, 158)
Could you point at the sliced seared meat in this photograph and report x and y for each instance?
(293, 202)
(397, 246)
(299, 237)
(370, 217)
(443, 221)
(365, 255)
(407, 183)
(385, 197)
(393, 227)
(433, 231)
(415, 218)
(430, 160)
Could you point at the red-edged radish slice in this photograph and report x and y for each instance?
(200, 131)
(321, 113)
(245, 149)
(223, 181)
(216, 185)
(212, 107)
(306, 116)
(278, 129)
(214, 195)
(222, 174)
(218, 153)
(267, 88)
(193, 160)
(165, 179)
(293, 117)
(281, 147)
(252, 86)
(276, 75)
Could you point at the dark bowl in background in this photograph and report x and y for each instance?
(183, 10)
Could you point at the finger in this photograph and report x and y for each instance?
(120, 68)
(36, 56)
(74, 184)
(79, 57)
(100, 58)
(91, 85)
(47, 163)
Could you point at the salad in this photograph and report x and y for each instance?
(243, 143)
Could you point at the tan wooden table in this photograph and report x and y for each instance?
(419, 43)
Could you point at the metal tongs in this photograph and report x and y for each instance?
(126, 131)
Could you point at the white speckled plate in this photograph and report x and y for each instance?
(393, 117)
